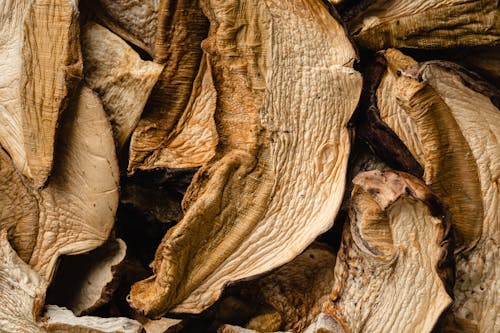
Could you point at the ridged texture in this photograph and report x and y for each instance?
(427, 24)
(394, 252)
(278, 176)
(41, 65)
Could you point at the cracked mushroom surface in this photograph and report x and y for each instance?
(251, 209)
(426, 24)
(41, 66)
(119, 76)
(392, 271)
(452, 120)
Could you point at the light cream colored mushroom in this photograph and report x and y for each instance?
(393, 269)
(40, 65)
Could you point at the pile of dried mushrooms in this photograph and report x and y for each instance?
(249, 166)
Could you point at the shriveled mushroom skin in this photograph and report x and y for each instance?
(393, 270)
(427, 24)
(41, 65)
(119, 76)
(452, 124)
(251, 208)
(22, 292)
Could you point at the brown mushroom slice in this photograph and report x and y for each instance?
(93, 276)
(295, 291)
(22, 291)
(193, 141)
(119, 76)
(62, 320)
(431, 130)
(278, 178)
(18, 208)
(391, 272)
(136, 21)
(79, 203)
(458, 123)
(324, 324)
(41, 64)
(427, 24)
(181, 29)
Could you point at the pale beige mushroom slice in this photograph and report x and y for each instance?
(456, 125)
(393, 268)
(85, 282)
(40, 65)
(62, 320)
(181, 29)
(22, 292)
(284, 97)
(119, 76)
(77, 208)
(427, 24)
(238, 329)
(18, 208)
(136, 21)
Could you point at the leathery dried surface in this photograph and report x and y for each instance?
(427, 24)
(251, 209)
(392, 271)
(452, 120)
(40, 65)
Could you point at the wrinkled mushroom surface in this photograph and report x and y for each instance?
(40, 65)
(427, 24)
(118, 75)
(392, 271)
(452, 120)
(251, 209)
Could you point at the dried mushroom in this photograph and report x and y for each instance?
(426, 23)
(250, 209)
(22, 293)
(62, 320)
(181, 29)
(392, 272)
(118, 75)
(41, 65)
(452, 122)
(78, 206)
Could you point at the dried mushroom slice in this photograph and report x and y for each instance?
(455, 123)
(427, 24)
(136, 21)
(77, 208)
(278, 176)
(295, 291)
(22, 291)
(238, 329)
(62, 320)
(392, 270)
(18, 208)
(118, 75)
(181, 29)
(41, 64)
(93, 276)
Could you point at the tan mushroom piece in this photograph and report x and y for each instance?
(22, 292)
(62, 320)
(77, 208)
(391, 273)
(136, 21)
(94, 277)
(453, 121)
(427, 24)
(251, 209)
(181, 29)
(119, 76)
(40, 65)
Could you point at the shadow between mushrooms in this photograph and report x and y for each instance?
(251, 208)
